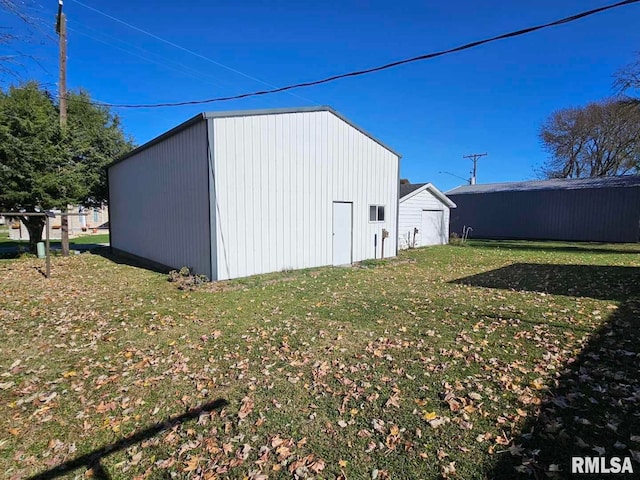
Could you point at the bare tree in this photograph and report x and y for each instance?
(600, 139)
(628, 77)
(26, 29)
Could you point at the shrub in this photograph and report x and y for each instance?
(186, 279)
(455, 240)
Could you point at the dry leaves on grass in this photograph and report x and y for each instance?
(330, 374)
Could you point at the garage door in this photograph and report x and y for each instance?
(432, 225)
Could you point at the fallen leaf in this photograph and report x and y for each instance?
(246, 408)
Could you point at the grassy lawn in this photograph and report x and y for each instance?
(5, 241)
(492, 360)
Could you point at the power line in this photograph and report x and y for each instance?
(184, 70)
(184, 49)
(357, 73)
(457, 176)
(167, 64)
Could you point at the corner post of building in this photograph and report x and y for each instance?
(47, 246)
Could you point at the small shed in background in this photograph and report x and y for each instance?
(423, 217)
(233, 194)
(602, 209)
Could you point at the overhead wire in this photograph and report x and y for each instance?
(386, 66)
(184, 70)
(162, 62)
(184, 49)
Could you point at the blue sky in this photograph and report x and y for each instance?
(489, 99)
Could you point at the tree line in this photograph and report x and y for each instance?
(598, 139)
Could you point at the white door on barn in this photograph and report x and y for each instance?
(342, 233)
(431, 233)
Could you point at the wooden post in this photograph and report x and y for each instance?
(61, 29)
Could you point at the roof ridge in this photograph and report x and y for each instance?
(550, 184)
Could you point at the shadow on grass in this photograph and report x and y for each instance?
(93, 459)
(592, 408)
(8, 251)
(553, 246)
(604, 282)
(124, 258)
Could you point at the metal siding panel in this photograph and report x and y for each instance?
(447, 216)
(296, 160)
(308, 197)
(396, 235)
(223, 174)
(285, 193)
(161, 197)
(322, 197)
(278, 188)
(597, 214)
(297, 165)
(237, 144)
(212, 202)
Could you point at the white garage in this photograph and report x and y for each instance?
(423, 217)
(233, 194)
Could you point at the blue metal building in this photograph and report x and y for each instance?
(603, 209)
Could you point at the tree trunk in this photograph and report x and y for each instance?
(34, 227)
(64, 234)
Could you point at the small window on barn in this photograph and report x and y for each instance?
(376, 213)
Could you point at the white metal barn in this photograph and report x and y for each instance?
(423, 218)
(232, 194)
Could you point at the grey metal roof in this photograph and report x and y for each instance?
(248, 113)
(553, 184)
(410, 189)
(407, 188)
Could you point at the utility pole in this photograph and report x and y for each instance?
(474, 158)
(61, 30)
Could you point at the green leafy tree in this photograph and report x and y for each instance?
(94, 138)
(43, 166)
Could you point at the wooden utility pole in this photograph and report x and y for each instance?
(474, 158)
(61, 30)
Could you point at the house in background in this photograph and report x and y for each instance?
(96, 221)
(423, 217)
(602, 209)
(233, 194)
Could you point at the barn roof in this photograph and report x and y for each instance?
(248, 113)
(408, 190)
(553, 184)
